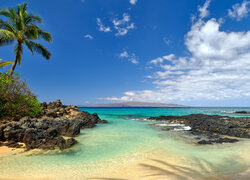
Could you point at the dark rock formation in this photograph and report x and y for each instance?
(219, 140)
(46, 131)
(211, 126)
(242, 112)
(102, 121)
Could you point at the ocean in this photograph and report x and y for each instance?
(128, 148)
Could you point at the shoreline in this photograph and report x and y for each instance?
(150, 165)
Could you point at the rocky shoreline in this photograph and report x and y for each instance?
(55, 128)
(210, 129)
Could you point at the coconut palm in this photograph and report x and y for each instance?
(4, 63)
(20, 27)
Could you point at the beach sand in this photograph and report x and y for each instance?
(159, 166)
(140, 165)
(4, 150)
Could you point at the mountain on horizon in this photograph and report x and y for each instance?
(133, 104)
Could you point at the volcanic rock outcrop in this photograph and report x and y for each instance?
(56, 127)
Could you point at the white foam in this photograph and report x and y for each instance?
(228, 112)
(139, 119)
(179, 127)
(171, 125)
(185, 128)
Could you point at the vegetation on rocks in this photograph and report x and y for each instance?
(16, 99)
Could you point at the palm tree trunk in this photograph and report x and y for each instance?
(18, 55)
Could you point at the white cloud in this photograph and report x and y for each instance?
(120, 26)
(218, 67)
(166, 41)
(124, 54)
(123, 25)
(132, 58)
(204, 9)
(158, 60)
(88, 36)
(239, 11)
(132, 1)
(101, 27)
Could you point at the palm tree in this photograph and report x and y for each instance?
(20, 27)
(4, 63)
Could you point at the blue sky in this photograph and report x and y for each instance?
(193, 52)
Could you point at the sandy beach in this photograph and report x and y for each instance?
(4, 150)
(141, 165)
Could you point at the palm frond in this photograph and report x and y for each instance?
(29, 46)
(8, 13)
(5, 63)
(7, 25)
(31, 19)
(21, 8)
(5, 40)
(44, 35)
(6, 33)
(40, 49)
(31, 32)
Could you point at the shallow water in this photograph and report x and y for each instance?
(124, 144)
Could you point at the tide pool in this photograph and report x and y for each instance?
(131, 149)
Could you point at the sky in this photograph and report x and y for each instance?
(194, 52)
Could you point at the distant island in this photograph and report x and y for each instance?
(133, 104)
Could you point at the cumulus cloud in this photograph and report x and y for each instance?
(131, 58)
(239, 11)
(132, 2)
(101, 27)
(218, 67)
(88, 36)
(123, 25)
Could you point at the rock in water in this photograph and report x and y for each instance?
(102, 121)
(211, 126)
(242, 112)
(219, 140)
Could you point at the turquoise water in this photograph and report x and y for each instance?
(147, 112)
(125, 137)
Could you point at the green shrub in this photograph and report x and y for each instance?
(16, 99)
